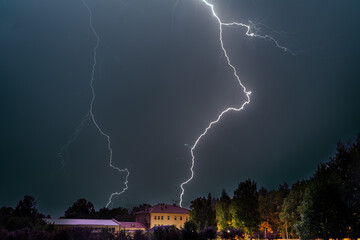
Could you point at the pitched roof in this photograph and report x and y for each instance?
(132, 225)
(82, 222)
(165, 208)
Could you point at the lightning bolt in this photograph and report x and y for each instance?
(91, 116)
(249, 33)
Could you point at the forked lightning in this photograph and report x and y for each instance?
(90, 115)
(249, 33)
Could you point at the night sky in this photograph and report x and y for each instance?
(160, 78)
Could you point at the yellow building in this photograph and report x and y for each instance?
(163, 215)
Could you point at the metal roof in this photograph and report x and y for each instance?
(82, 222)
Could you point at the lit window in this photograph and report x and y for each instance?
(168, 217)
(180, 218)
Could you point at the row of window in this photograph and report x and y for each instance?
(168, 218)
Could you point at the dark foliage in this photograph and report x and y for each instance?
(207, 233)
(203, 212)
(26, 234)
(140, 235)
(25, 215)
(80, 209)
(166, 233)
(119, 213)
(331, 205)
(232, 233)
(245, 207)
(189, 231)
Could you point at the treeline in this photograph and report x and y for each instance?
(325, 206)
(85, 209)
(24, 222)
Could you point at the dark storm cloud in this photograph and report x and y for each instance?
(158, 83)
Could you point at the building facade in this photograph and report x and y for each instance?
(96, 225)
(132, 227)
(163, 215)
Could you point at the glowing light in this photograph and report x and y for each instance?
(91, 116)
(249, 33)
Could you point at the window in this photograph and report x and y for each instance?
(175, 217)
(155, 217)
(180, 218)
(186, 218)
(168, 217)
(162, 217)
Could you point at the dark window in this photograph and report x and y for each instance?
(168, 217)
(180, 218)
(155, 217)
(175, 217)
(162, 217)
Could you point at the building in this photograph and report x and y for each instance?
(162, 215)
(97, 225)
(132, 226)
(110, 225)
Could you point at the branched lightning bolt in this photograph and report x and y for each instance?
(249, 33)
(90, 115)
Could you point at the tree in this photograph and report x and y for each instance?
(27, 207)
(80, 209)
(279, 195)
(223, 215)
(25, 215)
(322, 209)
(203, 212)
(189, 231)
(141, 207)
(346, 163)
(119, 213)
(245, 207)
(290, 213)
(266, 211)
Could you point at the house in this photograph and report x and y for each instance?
(110, 225)
(163, 214)
(132, 226)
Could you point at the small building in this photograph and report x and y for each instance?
(162, 215)
(132, 226)
(96, 225)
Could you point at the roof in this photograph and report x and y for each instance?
(132, 225)
(165, 208)
(82, 222)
